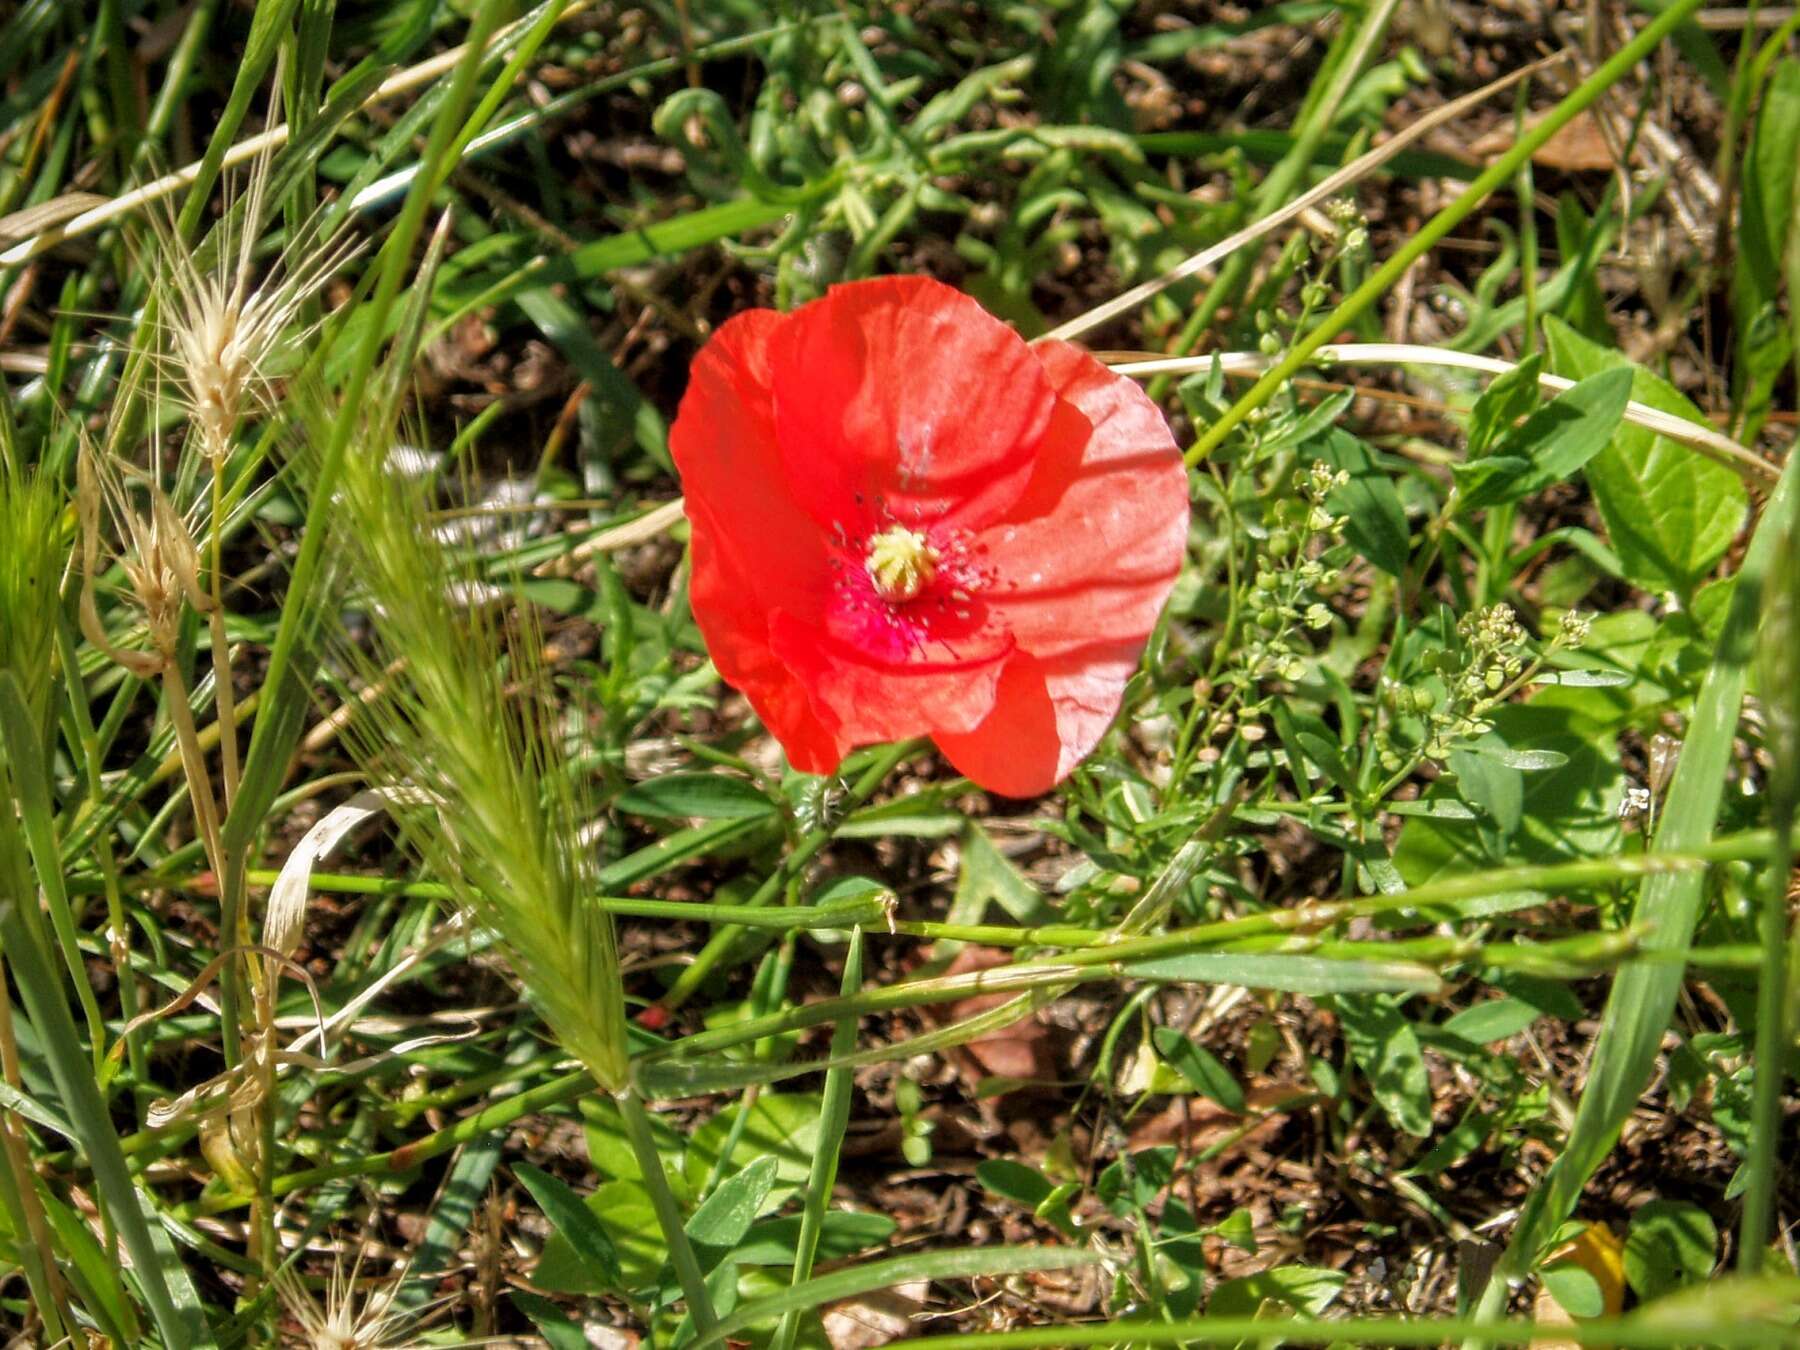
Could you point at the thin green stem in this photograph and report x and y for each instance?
(275, 726)
(668, 1212)
(1275, 190)
(1670, 1331)
(43, 995)
(834, 1119)
(1771, 1056)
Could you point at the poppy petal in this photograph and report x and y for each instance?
(723, 442)
(869, 701)
(902, 399)
(1048, 715)
(1091, 550)
(737, 636)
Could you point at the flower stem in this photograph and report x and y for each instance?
(223, 696)
(668, 1212)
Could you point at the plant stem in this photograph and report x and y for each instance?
(33, 972)
(668, 1212)
(1771, 1055)
(834, 1119)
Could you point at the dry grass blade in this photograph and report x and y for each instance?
(1329, 186)
(1713, 444)
(646, 526)
(263, 144)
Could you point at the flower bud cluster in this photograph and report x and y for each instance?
(1493, 660)
(1352, 229)
(1283, 601)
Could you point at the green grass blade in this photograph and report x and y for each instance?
(1655, 1328)
(30, 779)
(1499, 174)
(834, 1119)
(174, 1306)
(668, 1213)
(277, 724)
(1643, 995)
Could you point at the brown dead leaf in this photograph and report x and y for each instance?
(1022, 1050)
(1580, 147)
(875, 1319)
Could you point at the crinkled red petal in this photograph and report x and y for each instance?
(870, 701)
(1049, 714)
(901, 399)
(754, 550)
(1091, 550)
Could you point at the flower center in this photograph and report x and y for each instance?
(901, 563)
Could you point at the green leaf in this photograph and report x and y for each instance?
(1387, 1049)
(96, 1275)
(609, 1146)
(1575, 1290)
(566, 329)
(1199, 1067)
(1572, 812)
(1237, 1228)
(1510, 397)
(624, 1211)
(552, 1323)
(706, 796)
(1584, 679)
(570, 1216)
(31, 1109)
(1555, 442)
(986, 876)
(1328, 757)
(1134, 1181)
(1456, 1143)
(781, 1126)
(726, 1215)
(1768, 188)
(459, 1198)
(1305, 1289)
(1492, 787)
(1526, 761)
(842, 1233)
(1670, 512)
(1014, 1181)
(1492, 1020)
(1638, 1009)
(1672, 1243)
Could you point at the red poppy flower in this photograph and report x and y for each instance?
(906, 522)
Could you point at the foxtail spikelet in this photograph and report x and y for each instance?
(34, 554)
(466, 719)
(159, 557)
(226, 333)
